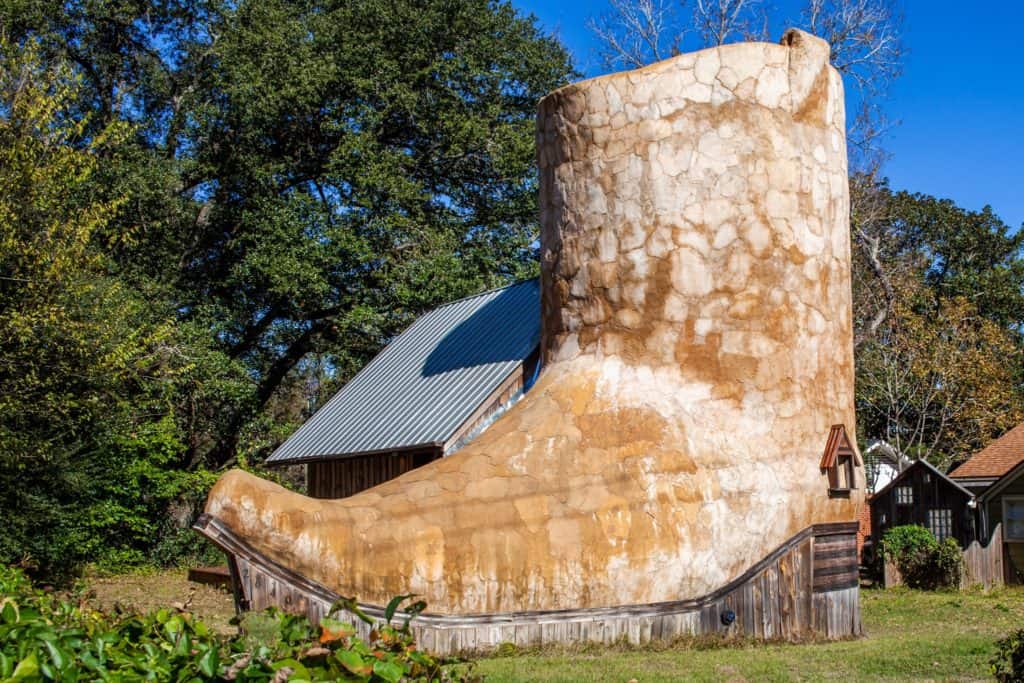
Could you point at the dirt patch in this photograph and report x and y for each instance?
(150, 591)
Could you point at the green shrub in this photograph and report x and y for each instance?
(922, 561)
(1008, 663)
(948, 562)
(46, 638)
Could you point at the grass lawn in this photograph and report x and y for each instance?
(147, 591)
(910, 636)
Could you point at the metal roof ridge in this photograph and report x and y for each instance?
(446, 304)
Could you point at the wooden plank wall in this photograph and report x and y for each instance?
(482, 417)
(930, 491)
(983, 565)
(344, 477)
(780, 598)
(835, 562)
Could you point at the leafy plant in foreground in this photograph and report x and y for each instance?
(44, 637)
(1007, 665)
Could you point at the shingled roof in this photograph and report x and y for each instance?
(996, 459)
(426, 383)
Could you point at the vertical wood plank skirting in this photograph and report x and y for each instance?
(805, 588)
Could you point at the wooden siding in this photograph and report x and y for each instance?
(995, 505)
(835, 562)
(1013, 551)
(344, 477)
(930, 491)
(802, 589)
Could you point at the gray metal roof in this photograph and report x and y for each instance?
(427, 382)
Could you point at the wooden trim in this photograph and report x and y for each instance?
(1006, 500)
(211, 576)
(835, 528)
(492, 401)
(225, 539)
(241, 604)
(838, 443)
(980, 482)
(932, 469)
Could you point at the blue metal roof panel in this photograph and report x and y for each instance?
(427, 382)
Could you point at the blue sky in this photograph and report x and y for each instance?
(959, 103)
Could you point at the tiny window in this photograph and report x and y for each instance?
(940, 523)
(904, 495)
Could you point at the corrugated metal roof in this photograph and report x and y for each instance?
(428, 381)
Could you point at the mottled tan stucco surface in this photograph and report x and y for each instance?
(698, 346)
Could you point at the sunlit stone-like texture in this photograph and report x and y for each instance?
(697, 344)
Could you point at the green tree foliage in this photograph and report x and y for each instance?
(306, 177)
(938, 309)
(88, 367)
(214, 212)
(356, 177)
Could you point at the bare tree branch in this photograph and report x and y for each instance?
(869, 223)
(868, 50)
(633, 34)
(865, 38)
(719, 20)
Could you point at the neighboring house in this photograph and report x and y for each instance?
(923, 495)
(995, 475)
(882, 464)
(425, 395)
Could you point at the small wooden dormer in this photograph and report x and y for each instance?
(838, 461)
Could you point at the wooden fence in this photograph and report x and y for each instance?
(983, 565)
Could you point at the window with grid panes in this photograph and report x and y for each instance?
(940, 523)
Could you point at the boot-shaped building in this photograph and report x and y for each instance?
(686, 461)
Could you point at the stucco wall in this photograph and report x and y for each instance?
(698, 344)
